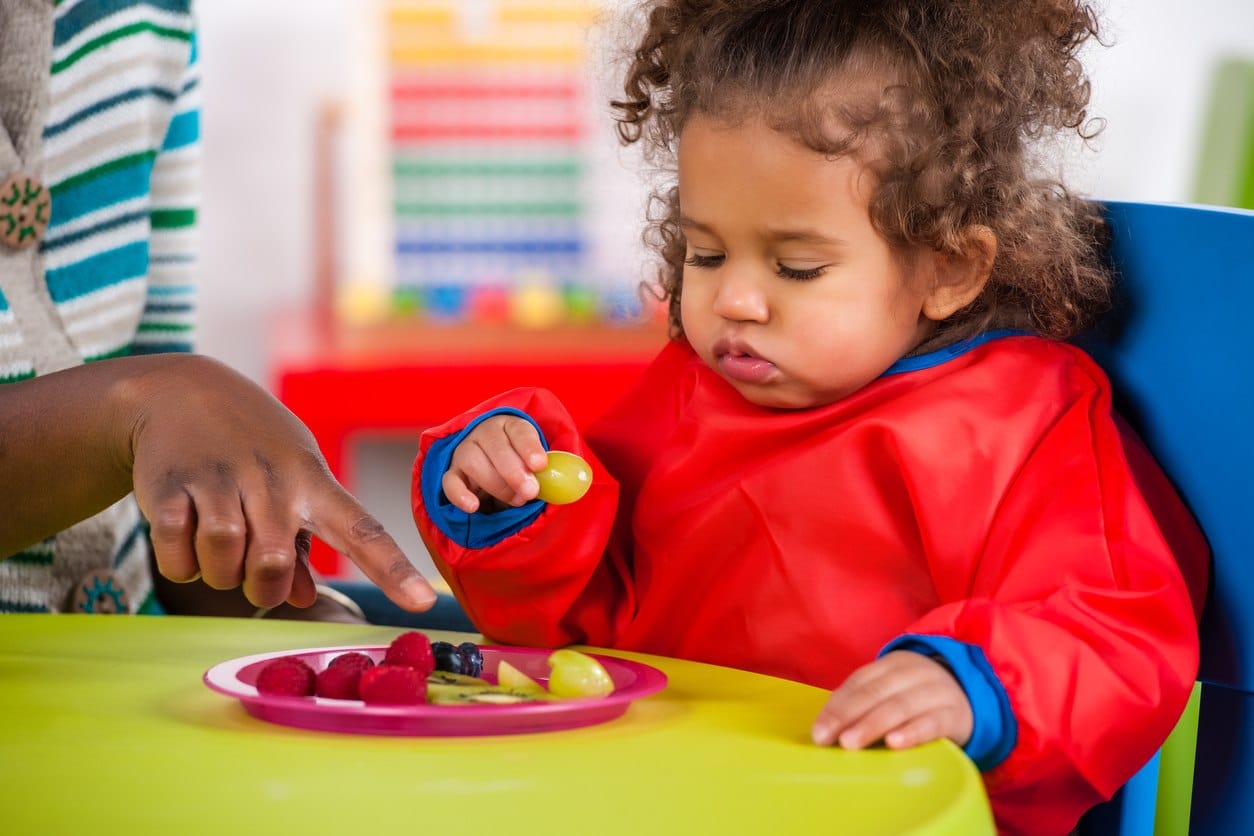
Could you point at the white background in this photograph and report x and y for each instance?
(268, 64)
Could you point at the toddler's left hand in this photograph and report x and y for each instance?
(903, 698)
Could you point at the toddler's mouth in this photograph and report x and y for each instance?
(738, 362)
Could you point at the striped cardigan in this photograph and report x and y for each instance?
(120, 157)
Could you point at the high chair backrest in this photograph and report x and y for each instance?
(1180, 352)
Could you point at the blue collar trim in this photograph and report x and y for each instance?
(949, 352)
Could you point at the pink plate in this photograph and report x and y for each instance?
(237, 678)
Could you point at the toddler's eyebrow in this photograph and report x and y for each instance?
(803, 236)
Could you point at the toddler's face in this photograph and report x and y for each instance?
(789, 293)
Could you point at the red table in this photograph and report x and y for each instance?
(402, 375)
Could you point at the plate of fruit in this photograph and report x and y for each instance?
(417, 687)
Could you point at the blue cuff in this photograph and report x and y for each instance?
(995, 730)
(477, 530)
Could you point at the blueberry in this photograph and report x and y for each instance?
(473, 658)
(448, 658)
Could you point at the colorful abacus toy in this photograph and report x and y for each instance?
(489, 132)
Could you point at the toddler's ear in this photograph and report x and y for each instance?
(961, 276)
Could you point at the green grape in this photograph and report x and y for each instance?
(575, 674)
(565, 479)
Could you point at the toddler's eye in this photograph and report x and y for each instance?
(798, 275)
(703, 261)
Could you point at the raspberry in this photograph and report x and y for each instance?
(339, 681)
(393, 685)
(338, 684)
(286, 676)
(353, 661)
(412, 649)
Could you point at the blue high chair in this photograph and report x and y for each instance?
(1180, 355)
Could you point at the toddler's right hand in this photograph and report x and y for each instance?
(497, 460)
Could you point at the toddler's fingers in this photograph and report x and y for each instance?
(526, 442)
(916, 731)
(504, 475)
(864, 689)
(891, 713)
(472, 464)
(458, 492)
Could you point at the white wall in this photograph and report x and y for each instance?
(266, 67)
(267, 64)
(1152, 86)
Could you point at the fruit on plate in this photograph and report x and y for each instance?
(353, 661)
(565, 479)
(412, 649)
(508, 676)
(338, 683)
(340, 678)
(450, 678)
(286, 676)
(415, 670)
(575, 674)
(444, 688)
(439, 693)
(393, 685)
(464, 658)
(472, 658)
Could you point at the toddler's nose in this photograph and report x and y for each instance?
(740, 296)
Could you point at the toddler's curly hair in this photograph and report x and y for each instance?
(961, 91)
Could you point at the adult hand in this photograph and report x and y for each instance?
(903, 698)
(234, 486)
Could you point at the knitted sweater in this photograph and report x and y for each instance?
(114, 274)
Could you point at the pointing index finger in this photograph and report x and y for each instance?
(346, 526)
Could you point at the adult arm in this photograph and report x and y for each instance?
(231, 482)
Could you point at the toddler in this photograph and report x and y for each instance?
(866, 459)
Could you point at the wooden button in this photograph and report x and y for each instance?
(25, 207)
(100, 592)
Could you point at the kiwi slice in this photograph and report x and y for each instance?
(440, 693)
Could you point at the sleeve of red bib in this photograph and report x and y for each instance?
(550, 576)
(1079, 601)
